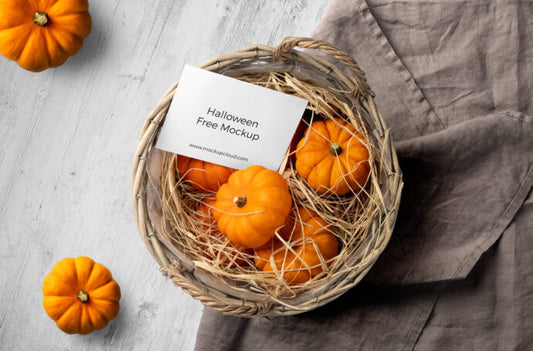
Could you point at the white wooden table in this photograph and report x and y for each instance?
(67, 138)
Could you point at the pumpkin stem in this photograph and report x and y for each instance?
(335, 149)
(83, 296)
(240, 201)
(40, 19)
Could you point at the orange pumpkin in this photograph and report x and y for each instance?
(332, 157)
(40, 34)
(80, 295)
(203, 176)
(214, 244)
(252, 205)
(312, 245)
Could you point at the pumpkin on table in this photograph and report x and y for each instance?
(39, 34)
(332, 157)
(202, 175)
(312, 245)
(80, 295)
(252, 205)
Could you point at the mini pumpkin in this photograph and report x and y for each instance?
(213, 243)
(252, 205)
(80, 295)
(202, 175)
(40, 34)
(332, 157)
(303, 256)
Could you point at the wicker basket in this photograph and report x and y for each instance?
(347, 82)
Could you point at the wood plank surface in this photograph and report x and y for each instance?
(67, 138)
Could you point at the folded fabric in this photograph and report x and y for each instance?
(463, 186)
(454, 82)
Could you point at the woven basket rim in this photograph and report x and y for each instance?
(288, 51)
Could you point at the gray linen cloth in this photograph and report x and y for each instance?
(454, 81)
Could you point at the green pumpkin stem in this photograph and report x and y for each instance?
(40, 19)
(83, 296)
(335, 149)
(240, 201)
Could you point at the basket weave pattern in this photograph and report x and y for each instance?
(353, 88)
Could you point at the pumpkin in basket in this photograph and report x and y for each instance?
(214, 244)
(80, 295)
(332, 157)
(252, 205)
(202, 175)
(311, 244)
(42, 34)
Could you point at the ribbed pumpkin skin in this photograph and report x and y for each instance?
(203, 176)
(268, 203)
(310, 240)
(34, 47)
(326, 172)
(61, 287)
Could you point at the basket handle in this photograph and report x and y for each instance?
(361, 85)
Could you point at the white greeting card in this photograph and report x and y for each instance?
(225, 121)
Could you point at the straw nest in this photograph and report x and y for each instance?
(204, 262)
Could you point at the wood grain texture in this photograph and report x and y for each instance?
(67, 139)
